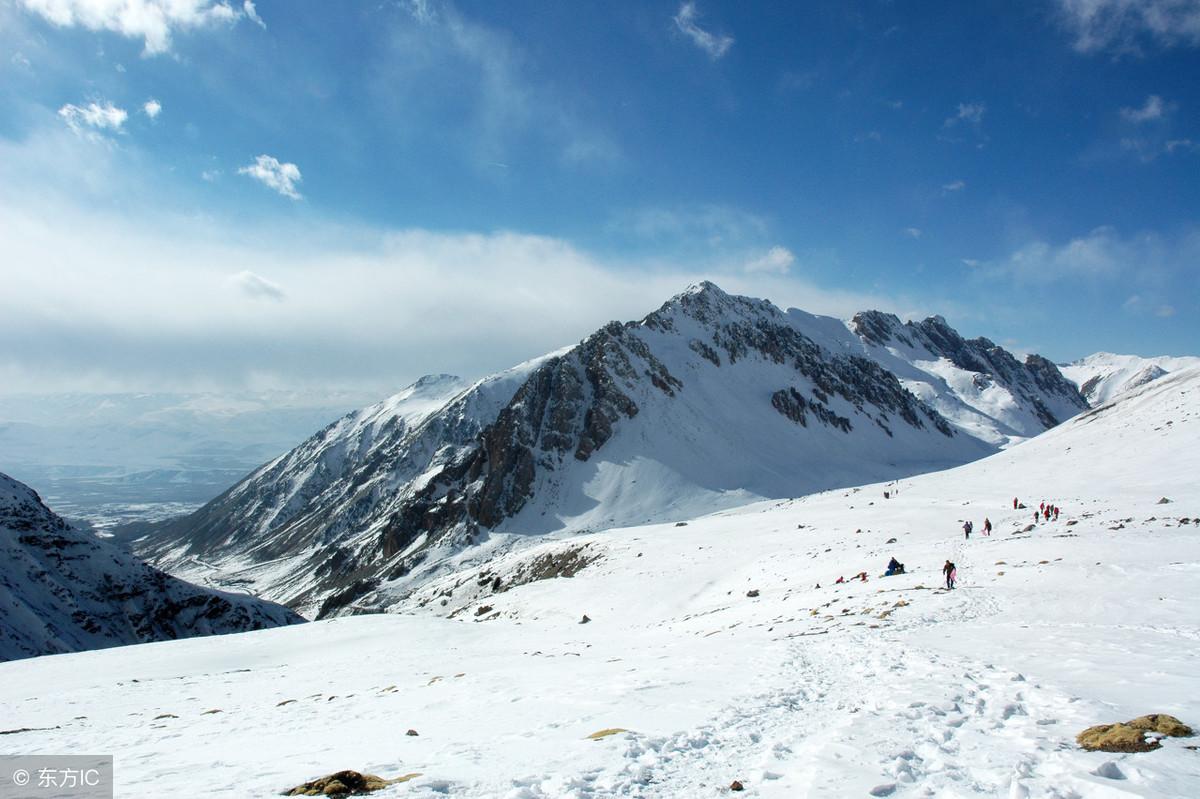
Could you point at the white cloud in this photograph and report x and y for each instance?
(714, 45)
(274, 174)
(420, 11)
(953, 186)
(152, 108)
(21, 62)
(777, 260)
(256, 287)
(210, 175)
(252, 14)
(968, 113)
(1145, 260)
(1152, 109)
(971, 262)
(153, 21)
(1165, 311)
(93, 115)
(709, 224)
(912, 232)
(1122, 25)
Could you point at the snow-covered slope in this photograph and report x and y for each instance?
(1103, 375)
(62, 590)
(709, 402)
(722, 650)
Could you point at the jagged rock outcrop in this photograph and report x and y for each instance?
(1026, 398)
(63, 590)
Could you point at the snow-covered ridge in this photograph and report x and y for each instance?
(1104, 375)
(62, 590)
(710, 401)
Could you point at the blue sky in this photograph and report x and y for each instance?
(208, 194)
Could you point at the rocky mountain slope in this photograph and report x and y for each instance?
(974, 382)
(62, 590)
(1103, 375)
(711, 401)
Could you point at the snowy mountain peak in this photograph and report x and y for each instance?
(708, 401)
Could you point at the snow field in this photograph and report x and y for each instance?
(889, 687)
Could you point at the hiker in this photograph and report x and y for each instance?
(1014, 503)
(967, 527)
(987, 526)
(951, 572)
(839, 580)
(1047, 512)
(1055, 513)
(1037, 517)
(860, 576)
(1041, 506)
(894, 567)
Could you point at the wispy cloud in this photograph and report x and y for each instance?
(1122, 26)
(777, 260)
(475, 84)
(714, 45)
(1148, 263)
(912, 232)
(953, 186)
(708, 224)
(153, 21)
(94, 115)
(968, 113)
(152, 108)
(274, 174)
(1153, 109)
(256, 287)
(252, 14)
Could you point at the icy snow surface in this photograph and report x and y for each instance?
(889, 687)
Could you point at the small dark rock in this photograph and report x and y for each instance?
(482, 609)
(585, 619)
(752, 593)
(736, 786)
(1163, 501)
(413, 733)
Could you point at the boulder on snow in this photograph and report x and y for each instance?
(736, 786)
(346, 783)
(752, 593)
(1131, 736)
(1163, 501)
(585, 619)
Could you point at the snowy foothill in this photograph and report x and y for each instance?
(721, 649)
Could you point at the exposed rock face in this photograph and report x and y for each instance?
(722, 398)
(62, 590)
